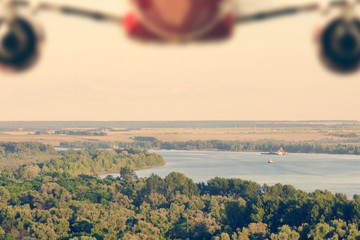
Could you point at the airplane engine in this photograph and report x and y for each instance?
(339, 44)
(21, 40)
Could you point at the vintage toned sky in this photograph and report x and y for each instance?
(91, 71)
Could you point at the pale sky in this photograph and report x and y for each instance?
(92, 71)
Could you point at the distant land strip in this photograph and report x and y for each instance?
(50, 125)
(236, 146)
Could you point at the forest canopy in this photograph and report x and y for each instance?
(36, 158)
(56, 198)
(49, 206)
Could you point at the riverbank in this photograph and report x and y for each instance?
(234, 146)
(308, 172)
(135, 169)
(258, 152)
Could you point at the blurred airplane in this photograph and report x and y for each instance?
(180, 21)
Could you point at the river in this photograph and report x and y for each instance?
(308, 172)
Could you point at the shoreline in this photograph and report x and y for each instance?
(136, 169)
(215, 150)
(148, 167)
(219, 150)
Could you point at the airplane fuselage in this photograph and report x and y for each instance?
(180, 20)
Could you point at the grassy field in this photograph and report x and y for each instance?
(307, 133)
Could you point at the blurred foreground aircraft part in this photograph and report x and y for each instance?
(179, 21)
(21, 41)
(182, 20)
(136, 30)
(338, 39)
(339, 45)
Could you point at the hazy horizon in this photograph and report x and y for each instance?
(191, 120)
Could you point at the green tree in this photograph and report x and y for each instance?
(127, 174)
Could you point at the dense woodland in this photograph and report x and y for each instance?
(60, 206)
(53, 199)
(74, 162)
(22, 152)
(27, 148)
(239, 146)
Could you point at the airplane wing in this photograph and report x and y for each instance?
(288, 9)
(70, 9)
(279, 12)
(277, 8)
(273, 9)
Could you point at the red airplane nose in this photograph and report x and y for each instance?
(178, 19)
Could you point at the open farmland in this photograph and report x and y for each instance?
(293, 131)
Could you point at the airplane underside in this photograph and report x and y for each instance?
(136, 29)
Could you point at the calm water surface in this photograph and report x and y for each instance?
(336, 173)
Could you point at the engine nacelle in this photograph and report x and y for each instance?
(21, 40)
(338, 42)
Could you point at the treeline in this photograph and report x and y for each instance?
(264, 146)
(345, 135)
(81, 133)
(49, 206)
(91, 161)
(16, 150)
(96, 160)
(238, 146)
(108, 144)
(145, 139)
(32, 158)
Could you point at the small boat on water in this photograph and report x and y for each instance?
(279, 152)
(271, 161)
